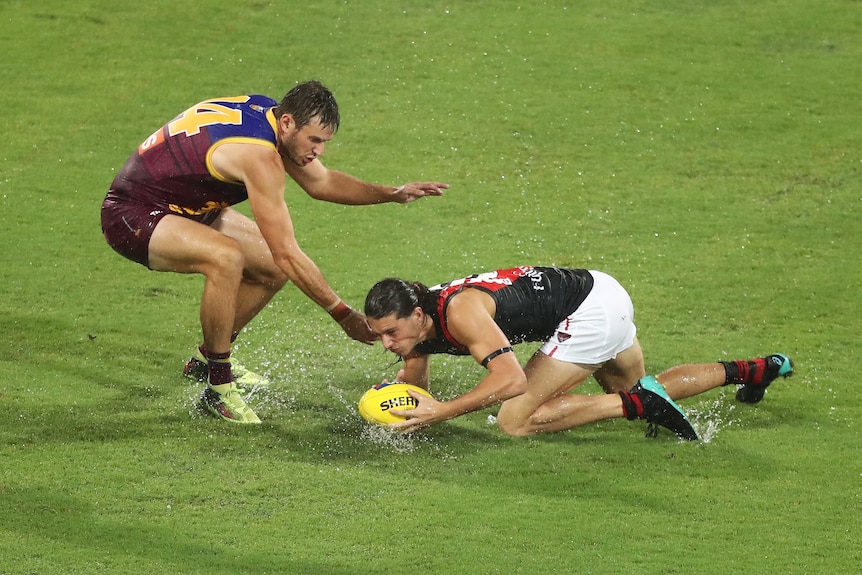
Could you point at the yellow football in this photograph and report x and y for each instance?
(375, 404)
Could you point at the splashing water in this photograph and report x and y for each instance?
(295, 387)
(379, 435)
(388, 439)
(709, 417)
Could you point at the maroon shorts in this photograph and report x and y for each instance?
(128, 226)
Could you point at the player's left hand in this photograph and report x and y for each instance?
(413, 191)
(426, 412)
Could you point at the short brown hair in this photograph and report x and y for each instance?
(308, 100)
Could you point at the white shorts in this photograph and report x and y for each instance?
(599, 329)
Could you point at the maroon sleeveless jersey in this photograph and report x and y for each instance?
(172, 170)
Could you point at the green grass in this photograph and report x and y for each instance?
(705, 153)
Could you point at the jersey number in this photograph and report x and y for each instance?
(206, 113)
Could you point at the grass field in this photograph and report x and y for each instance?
(707, 154)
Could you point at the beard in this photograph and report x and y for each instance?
(288, 150)
(289, 153)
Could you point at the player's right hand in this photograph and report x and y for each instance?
(356, 326)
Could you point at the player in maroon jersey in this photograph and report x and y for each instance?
(169, 208)
(585, 321)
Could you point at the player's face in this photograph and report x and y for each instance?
(399, 336)
(303, 145)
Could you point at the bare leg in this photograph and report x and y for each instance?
(184, 246)
(216, 311)
(261, 278)
(691, 379)
(622, 372)
(547, 405)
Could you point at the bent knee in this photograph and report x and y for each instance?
(260, 268)
(226, 256)
(514, 431)
(270, 276)
(222, 261)
(229, 257)
(512, 426)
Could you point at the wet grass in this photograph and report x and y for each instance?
(706, 154)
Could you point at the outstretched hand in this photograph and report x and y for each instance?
(413, 191)
(356, 326)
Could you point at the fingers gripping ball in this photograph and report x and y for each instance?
(374, 406)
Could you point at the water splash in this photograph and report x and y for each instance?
(711, 416)
(378, 435)
(389, 440)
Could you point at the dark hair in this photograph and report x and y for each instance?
(393, 295)
(308, 100)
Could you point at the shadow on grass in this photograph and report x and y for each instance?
(67, 521)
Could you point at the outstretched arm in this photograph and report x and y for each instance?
(472, 323)
(262, 172)
(342, 188)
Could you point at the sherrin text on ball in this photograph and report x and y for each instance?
(376, 403)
